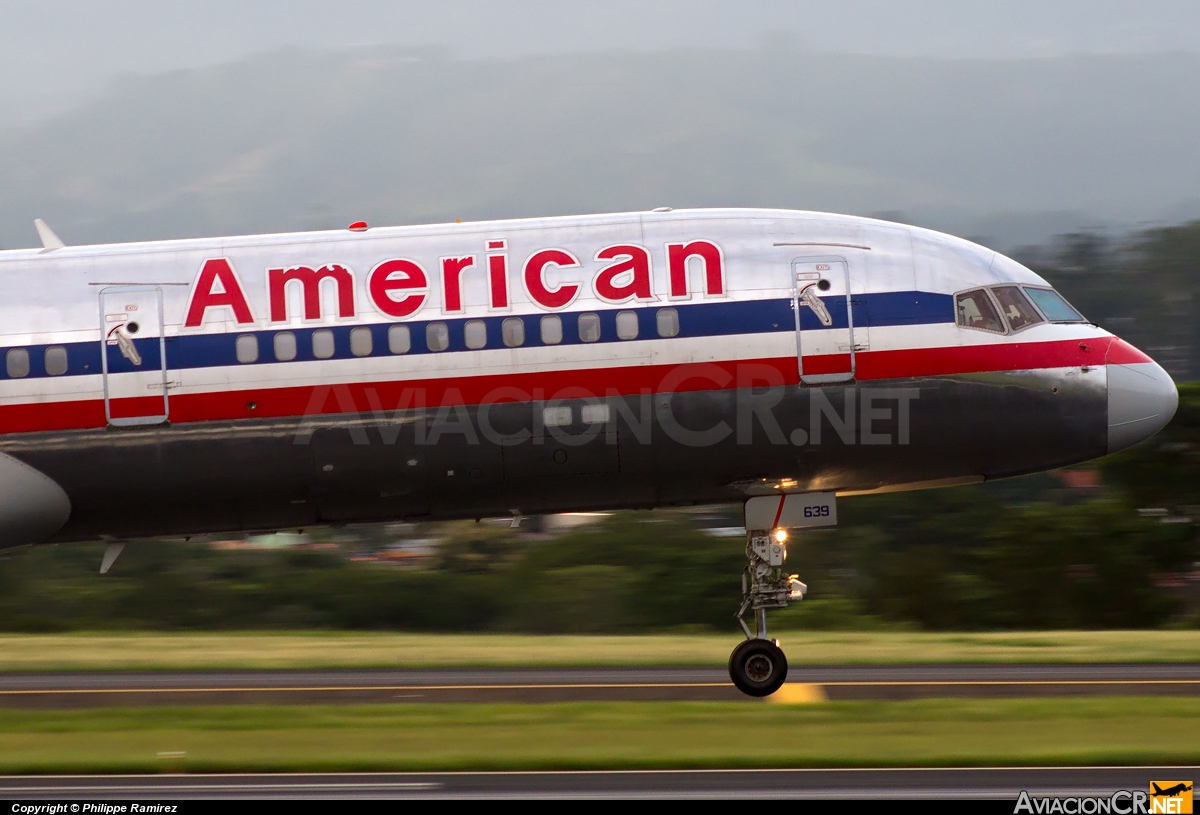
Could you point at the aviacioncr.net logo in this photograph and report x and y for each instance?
(1121, 802)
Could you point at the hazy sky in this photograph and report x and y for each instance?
(56, 52)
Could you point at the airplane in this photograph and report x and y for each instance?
(1170, 792)
(776, 358)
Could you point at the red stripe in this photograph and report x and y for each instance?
(29, 418)
(614, 381)
(778, 512)
(1122, 353)
(965, 359)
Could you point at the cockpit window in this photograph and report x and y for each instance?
(975, 310)
(1016, 307)
(1052, 304)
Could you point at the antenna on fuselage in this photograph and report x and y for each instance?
(50, 241)
(111, 552)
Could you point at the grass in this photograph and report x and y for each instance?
(603, 735)
(94, 651)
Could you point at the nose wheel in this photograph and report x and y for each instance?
(758, 667)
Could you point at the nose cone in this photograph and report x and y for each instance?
(1141, 397)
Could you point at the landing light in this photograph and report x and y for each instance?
(781, 535)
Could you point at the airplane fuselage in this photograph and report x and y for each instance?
(543, 365)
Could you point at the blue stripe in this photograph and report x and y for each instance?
(695, 320)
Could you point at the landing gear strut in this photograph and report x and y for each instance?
(758, 666)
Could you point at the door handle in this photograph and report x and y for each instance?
(809, 298)
(125, 344)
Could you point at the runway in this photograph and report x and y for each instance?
(987, 783)
(805, 684)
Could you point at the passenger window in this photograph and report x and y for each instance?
(975, 310)
(322, 340)
(399, 339)
(16, 362)
(627, 325)
(246, 346)
(556, 416)
(285, 346)
(1052, 304)
(1016, 307)
(668, 322)
(56, 360)
(361, 341)
(437, 337)
(589, 327)
(551, 329)
(512, 330)
(594, 414)
(475, 334)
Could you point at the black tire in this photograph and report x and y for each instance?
(758, 667)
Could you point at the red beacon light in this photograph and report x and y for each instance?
(358, 226)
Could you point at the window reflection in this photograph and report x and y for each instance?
(1016, 307)
(975, 310)
(1052, 304)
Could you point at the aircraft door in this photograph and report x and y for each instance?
(825, 333)
(133, 355)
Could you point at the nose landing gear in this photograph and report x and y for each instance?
(758, 666)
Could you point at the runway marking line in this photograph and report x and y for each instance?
(603, 685)
(226, 777)
(799, 693)
(743, 771)
(164, 783)
(218, 787)
(347, 688)
(943, 682)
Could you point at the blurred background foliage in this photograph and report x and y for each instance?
(1145, 288)
(1110, 544)
(1086, 548)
